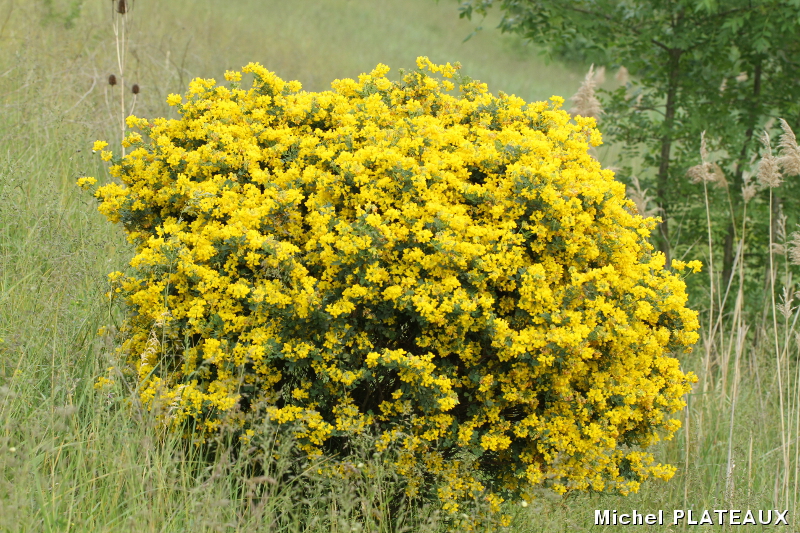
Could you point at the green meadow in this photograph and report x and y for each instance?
(75, 458)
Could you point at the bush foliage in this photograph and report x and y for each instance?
(453, 274)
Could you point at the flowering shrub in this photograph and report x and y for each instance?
(453, 273)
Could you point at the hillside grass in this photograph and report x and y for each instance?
(73, 459)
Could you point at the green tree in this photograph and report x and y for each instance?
(727, 68)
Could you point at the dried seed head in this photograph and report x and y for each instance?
(700, 173)
(135, 88)
(622, 75)
(768, 173)
(785, 307)
(122, 7)
(640, 198)
(749, 188)
(706, 171)
(585, 102)
(719, 176)
(703, 147)
(112, 80)
(781, 232)
(778, 248)
(794, 249)
(600, 76)
(790, 152)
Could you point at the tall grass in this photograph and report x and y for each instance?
(73, 458)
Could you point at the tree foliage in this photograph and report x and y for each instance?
(727, 68)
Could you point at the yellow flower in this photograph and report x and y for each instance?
(99, 145)
(86, 182)
(695, 265)
(454, 272)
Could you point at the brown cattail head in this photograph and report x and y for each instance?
(122, 7)
(135, 88)
(112, 80)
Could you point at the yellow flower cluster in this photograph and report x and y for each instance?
(455, 273)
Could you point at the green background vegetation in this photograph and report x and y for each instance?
(71, 459)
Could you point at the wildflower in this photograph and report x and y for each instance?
(86, 182)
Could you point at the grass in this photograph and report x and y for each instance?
(72, 460)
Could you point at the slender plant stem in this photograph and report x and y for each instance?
(777, 353)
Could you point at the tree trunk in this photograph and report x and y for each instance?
(727, 263)
(666, 147)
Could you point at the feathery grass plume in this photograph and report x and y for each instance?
(780, 247)
(789, 158)
(749, 188)
(622, 76)
(600, 76)
(768, 173)
(585, 103)
(785, 307)
(718, 174)
(794, 249)
(641, 200)
(706, 171)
